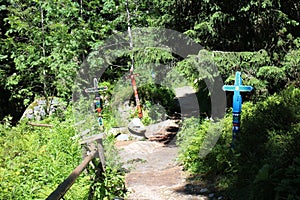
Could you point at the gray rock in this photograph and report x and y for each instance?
(136, 127)
(136, 137)
(203, 190)
(122, 137)
(118, 130)
(161, 127)
(39, 108)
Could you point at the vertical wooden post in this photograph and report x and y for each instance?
(136, 95)
(91, 140)
(101, 153)
(131, 76)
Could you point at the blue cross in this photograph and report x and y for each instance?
(237, 101)
(237, 88)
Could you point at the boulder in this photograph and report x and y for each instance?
(163, 131)
(118, 130)
(136, 127)
(122, 137)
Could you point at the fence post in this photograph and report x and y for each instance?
(98, 138)
(101, 152)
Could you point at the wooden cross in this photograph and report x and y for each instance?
(237, 102)
(137, 100)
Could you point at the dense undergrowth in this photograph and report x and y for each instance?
(265, 163)
(34, 160)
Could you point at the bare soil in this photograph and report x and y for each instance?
(153, 172)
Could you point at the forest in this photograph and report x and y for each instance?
(45, 45)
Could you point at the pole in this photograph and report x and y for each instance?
(133, 83)
(136, 95)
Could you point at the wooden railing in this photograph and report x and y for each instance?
(93, 151)
(68, 182)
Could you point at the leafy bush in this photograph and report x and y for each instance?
(194, 140)
(35, 160)
(269, 146)
(111, 185)
(160, 95)
(157, 101)
(189, 139)
(265, 162)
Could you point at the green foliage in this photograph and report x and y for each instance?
(194, 140)
(270, 142)
(287, 187)
(43, 44)
(111, 186)
(291, 66)
(188, 140)
(239, 25)
(158, 95)
(258, 69)
(198, 67)
(44, 50)
(265, 162)
(111, 183)
(272, 73)
(34, 160)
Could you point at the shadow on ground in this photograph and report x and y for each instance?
(205, 186)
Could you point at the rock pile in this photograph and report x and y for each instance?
(41, 107)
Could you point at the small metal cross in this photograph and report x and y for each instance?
(98, 101)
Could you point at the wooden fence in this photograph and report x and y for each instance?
(93, 151)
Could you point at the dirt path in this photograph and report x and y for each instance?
(154, 173)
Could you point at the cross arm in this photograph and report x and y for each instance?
(228, 88)
(89, 90)
(241, 88)
(245, 88)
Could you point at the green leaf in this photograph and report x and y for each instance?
(263, 174)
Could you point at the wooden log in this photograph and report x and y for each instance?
(92, 138)
(85, 132)
(40, 125)
(62, 188)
